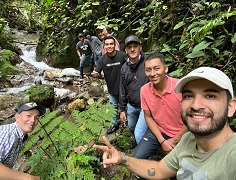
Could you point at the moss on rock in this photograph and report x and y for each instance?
(41, 94)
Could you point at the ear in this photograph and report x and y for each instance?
(141, 48)
(231, 107)
(17, 117)
(125, 51)
(166, 69)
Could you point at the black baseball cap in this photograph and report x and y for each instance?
(132, 38)
(32, 105)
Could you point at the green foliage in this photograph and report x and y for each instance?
(57, 137)
(6, 55)
(41, 94)
(5, 63)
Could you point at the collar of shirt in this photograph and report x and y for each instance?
(168, 89)
(128, 60)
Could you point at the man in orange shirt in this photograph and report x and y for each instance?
(162, 109)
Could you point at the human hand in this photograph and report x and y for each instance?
(123, 117)
(110, 154)
(94, 73)
(81, 59)
(167, 145)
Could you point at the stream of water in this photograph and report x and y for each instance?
(27, 43)
(29, 51)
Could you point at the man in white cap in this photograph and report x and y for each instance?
(12, 136)
(208, 151)
(102, 33)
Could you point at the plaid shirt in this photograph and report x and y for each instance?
(11, 138)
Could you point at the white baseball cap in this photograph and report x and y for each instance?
(101, 27)
(211, 74)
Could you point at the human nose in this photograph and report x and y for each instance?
(198, 102)
(34, 118)
(153, 72)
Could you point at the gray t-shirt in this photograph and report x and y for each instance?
(193, 165)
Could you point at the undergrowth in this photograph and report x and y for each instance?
(63, 147)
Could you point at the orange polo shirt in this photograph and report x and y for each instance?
(165, 108)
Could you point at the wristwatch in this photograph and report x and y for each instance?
(123, 158)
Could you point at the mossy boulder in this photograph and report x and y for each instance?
(41, 94)
(6, 58)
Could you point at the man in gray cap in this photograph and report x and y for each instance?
(12, 136)
(102, 33)
(208, 151)
(132, 79)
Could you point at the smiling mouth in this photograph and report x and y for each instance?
(198, 117)
(30, 125)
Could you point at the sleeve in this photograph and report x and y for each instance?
(122, 93)
(144, 105)
(99, 43)
(100, 63)
(172, 160)
(77, 46)
(117, 47)
(3, 140)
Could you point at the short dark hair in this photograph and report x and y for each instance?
(87, 32)
(109, 37)
(156, 56)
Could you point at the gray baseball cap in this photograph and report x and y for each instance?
(32, 105)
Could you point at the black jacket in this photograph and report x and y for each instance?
(132, 79)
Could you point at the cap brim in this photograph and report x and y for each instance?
(132, 42)
(41, 109)
(183, 81)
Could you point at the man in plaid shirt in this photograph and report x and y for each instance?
(12, 136)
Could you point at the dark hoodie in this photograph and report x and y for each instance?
(132, 79)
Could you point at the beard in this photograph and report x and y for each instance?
(215, 125)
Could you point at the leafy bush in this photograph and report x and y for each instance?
(5, 63)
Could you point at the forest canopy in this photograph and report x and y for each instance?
(189, 33)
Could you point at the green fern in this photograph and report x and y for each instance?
(57, 137)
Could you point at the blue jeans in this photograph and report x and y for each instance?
(96, 58)
(81, 65)
(114, 99)
(148, 145)
(136, 122)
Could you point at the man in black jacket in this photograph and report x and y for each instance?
(132, 79)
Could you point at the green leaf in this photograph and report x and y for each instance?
(177, 73)
(195, 54)
(202, 45)
(215, 50)
(183, 45)
(180, 24)
(233, 39)
(95, 3)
